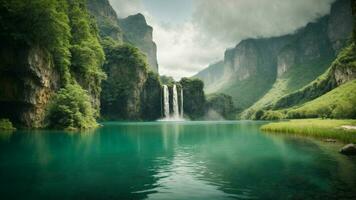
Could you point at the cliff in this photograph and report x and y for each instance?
(28, 79)
(138, 33)
(42, 51)
(131, 91)
(133, 29)
(106, 19)
(257, 72)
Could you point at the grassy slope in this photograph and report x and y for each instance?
(292, 80)
(338, 103)
(344, 64)
(315, 128)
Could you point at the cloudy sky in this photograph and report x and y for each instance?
(191, 34)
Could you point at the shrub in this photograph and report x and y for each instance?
(5, 124)
(71, 109)
(273, 115)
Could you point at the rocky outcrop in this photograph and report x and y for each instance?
(133, 29)
(106, 18)
(139, 33)
(194, 98)
(341, 71)
(349, 149)
(28, 80)
(131, 91)
(340, 24)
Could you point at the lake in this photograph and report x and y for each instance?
(172, 160)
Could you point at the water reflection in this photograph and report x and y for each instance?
(189, 160)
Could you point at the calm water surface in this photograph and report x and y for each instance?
(166, 160)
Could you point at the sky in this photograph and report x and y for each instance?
(191, 34)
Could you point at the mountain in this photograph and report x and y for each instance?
(257, 72)
(60, 58)
(138, 33)
(106, 18)
(132, 88)
(133, 29)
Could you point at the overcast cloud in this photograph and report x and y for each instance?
(186, 46)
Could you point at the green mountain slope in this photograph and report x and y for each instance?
(331, 95)
(338, 103)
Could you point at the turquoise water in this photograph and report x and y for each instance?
(166, 160)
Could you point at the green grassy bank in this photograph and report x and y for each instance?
(319, 128)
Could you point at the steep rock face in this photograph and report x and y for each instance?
(151, 98)
(106, 18)
(28, 80)
(194, 98)
(284, 60)
(250, 65)
(340, 24)
(139, 33)
(341, 71)
(130, 92)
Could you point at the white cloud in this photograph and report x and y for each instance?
(233, 20)
(186, 48)
(181, 50)
(125, 8)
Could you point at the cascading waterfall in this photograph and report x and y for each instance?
(175, 102)
(177, 114)
(166, 101)
(181, 103)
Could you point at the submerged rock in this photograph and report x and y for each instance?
(349, 149)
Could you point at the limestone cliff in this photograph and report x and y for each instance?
(131, 91)
(133, 29)
(106, 19)
(28, 79)
(139, 33)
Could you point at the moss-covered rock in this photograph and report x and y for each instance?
(5, 124)
(151, 98)
(194, 97)
(131, 92)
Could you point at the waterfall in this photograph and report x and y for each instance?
(181, 103)
(166, 101)
(175, 102)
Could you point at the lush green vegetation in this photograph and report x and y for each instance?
(315, 128)
(65, 30)
(87, 53)
(294, 79)
(128, 75)
(222, 104)
(344, 63)
(151, 97)
(39, 22)
(167, 80)
(71, 109)
(338, 103)
(5, 124)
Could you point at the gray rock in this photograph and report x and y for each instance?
(349, 149)
(330, 140)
